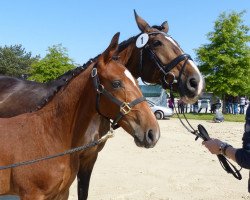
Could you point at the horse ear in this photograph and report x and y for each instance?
(141, 23)
(112, 48)
(165, 26)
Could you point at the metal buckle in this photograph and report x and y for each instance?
(100, 88)
(94, 72)
(173, 80)
(125, 108)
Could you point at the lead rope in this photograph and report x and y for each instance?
(203, 134)
(104, 138)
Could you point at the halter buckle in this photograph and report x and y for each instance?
(125, 108)
(100, 88)
(93, 72)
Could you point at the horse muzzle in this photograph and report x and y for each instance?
(148, 139)
(191, 89)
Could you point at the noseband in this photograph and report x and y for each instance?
(125, 107)
(164, 68)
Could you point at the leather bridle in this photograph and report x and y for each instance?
(125, 107)
(165, 69)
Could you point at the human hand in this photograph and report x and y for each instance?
(213, 145)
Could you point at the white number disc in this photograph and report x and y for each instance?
(142, 40)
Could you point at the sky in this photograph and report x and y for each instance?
(85, 28)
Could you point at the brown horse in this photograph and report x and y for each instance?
(66, 121)
(158, 61)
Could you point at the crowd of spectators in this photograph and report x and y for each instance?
(233, 105)
(236, 105)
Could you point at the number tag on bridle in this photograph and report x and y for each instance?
(142, 40)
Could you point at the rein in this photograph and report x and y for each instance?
(202, 133)
(70, 151)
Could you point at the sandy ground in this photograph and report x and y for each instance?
(178, 167)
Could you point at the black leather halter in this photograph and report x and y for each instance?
(125, 107)
(164, 68)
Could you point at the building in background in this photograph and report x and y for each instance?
(155, 93)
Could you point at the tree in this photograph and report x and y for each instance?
(55, 63)
(225, 62)
(15, 61)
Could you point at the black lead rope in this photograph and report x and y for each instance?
(225, 163)
(203, 134)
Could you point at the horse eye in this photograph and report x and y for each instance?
(115, 57)
(116, 84)
(157, 43)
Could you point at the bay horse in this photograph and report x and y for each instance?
(157, 59)
(103, 88)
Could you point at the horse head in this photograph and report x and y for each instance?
(162, 61)
(120, 99)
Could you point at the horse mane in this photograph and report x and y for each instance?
(125, 43)
(62, 81)
(24, 96)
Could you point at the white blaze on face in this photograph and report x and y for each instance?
(129, 75)
(173, 42)
(200, 86)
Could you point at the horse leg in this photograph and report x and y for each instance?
(83, 177)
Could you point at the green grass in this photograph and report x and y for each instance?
(208, 116)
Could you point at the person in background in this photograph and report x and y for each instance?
(191, 108)
(181, 106)
(186, 107)
(240, 155)
(235, 106)
(171, 104)
(196, 107)
(230, 104)
(242, 105)
(218, 116)
(204, 104)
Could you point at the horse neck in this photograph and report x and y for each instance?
(129, 55)
(75, 108)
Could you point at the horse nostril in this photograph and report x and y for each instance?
(150, 136)
(193, 83)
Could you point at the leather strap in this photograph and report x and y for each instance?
(125, 107)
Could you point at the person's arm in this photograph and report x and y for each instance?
(217, 147)
(230, 153)
(240, 156)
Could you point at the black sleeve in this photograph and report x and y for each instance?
(243, 158)
(243, 155)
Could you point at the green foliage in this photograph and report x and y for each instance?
(54, 64)
(225, 62)
(15, 61)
